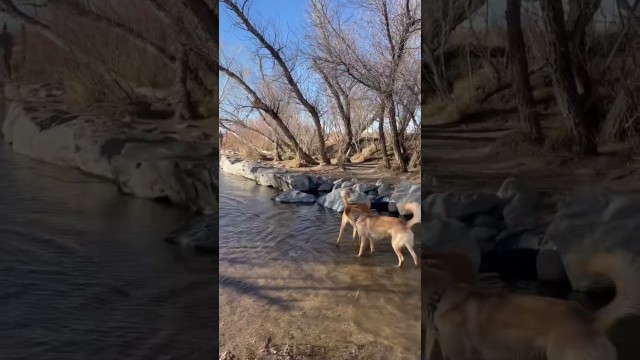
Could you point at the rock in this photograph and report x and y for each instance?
(300, 182)
(383, 188)
(520, 211)
(141, 161)
(364, 188)
(404, 193)
(187, 177)
(511, 264)
(450, 235)
(453, 205)
(527, 239)
(485, 220)
(346, 184)
(269, 177)
(294, 196)
(485, 237)
(549, 266)
(333, 201)
(324, 184)
(200, 233)
(380, 204)
(592, 221)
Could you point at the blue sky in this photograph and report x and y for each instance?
(286, 14)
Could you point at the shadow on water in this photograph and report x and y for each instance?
(281, 276)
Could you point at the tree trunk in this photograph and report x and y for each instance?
(396, 145)
(520, 73)
(185, 108)
(276, 150)
(382, 138)
(571, 104)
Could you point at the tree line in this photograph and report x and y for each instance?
(345, 74)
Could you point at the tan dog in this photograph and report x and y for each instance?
(449, 267)
(350, 214)
(378, 227)
(472, 324)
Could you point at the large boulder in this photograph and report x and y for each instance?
(459, 205)
(269, 177)
(294, 196)
(200, 233)
(181, 172)
(300, 182)
(333, 201)
(41, 132)
(450, 235)
(592, 221)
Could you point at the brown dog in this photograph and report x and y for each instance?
(471, 324)
(378, 227)
(446, 267)
(350, 214)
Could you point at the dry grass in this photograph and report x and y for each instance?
(250, 154)
(85, 89)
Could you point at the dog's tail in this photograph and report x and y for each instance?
(344, 195)
(623, 269)
(414, 208)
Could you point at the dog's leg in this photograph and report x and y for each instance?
(407, 240)
(345, 220)
(398, 250)
(363, 242)
(355, 231)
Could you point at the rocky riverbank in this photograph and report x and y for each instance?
(505, 232)
(143, 157)
(310, 188)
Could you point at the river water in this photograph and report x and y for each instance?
(284, 286)
(85, 273)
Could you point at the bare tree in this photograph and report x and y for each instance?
(520, 72)
(569, 101)
(395, 34)
(276, 53)
(260, 104)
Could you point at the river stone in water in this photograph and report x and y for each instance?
(333, 201)
(591, 221)
(457, 205)
(294, 196)
(450, 235)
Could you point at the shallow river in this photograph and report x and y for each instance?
(284, 284)
(85, 273)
